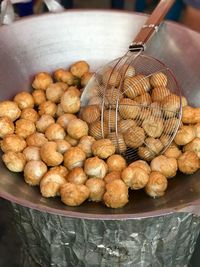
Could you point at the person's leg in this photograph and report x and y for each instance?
(176, 10)
(67, 3)
(24, 9)
(117, 4)
(140, 5)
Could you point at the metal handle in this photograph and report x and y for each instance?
(151, 25)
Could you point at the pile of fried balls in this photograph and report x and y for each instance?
(60, 147)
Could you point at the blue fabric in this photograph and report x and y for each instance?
(193, 3)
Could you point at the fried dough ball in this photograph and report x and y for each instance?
(62, 146)
(111, 77)
(112, 97)
(197, 129)
(55, 91)
(65, 76)
(165, 139)
(146, 153)
(156, 185)
(9, 109)
(64, 119)
(118, 141)
(158, 79)
(128, 108)
(116, 195)
(141, 164)
(85, 78)
(116, 163)
(61, 170)
(24, 128)
(97, 132)
(32, 153)
(159, 93)
(188, 162)
(44, 122)
(34, 170)
(24, 100)
(184, 101)
(12, 142)
(190, 115)
(185, 135)
(134, 137)
(97, 189)
(96, 100)
(113, 175)
(110, 117)
(41, 81)
(170, 125)
(59, 111)
(77, 176)
(29, 114)
(74, 157)
(154, 145)
(171, 105)
(70, 100)
(77, 128)
(95, 167)
(74, 194)
(173, 151)
(79, 68)
(127, 70)
(156, 109)
(136, 85)
(55, 132)
(103, 148)
(14, 161)
(124, 125)
(91, 113)
(144, 99)
(39, 96)
(153, 126)
(71, 141)
(51, 183)
(47, 107)
(36, 139)
(50, 155)
(167, 166)
(135, 177)
(194, 146)
(6, 126)
(85, 144)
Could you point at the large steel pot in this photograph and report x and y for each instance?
(50, 41)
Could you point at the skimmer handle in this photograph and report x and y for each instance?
(151, 25)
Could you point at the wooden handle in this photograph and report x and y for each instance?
(153, 22)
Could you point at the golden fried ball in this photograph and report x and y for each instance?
(77, 176)
(103, 148)
(14, 161)
(155, 145)
(127, 70)
(116, 195)
(96, 100)
(118, 141)
(77, 128)
(95, 167)
(36, 139)
(153, 126)
(144, 99)
(6, 126)
(39, 96)
(47, 107)
(34, 170)
(62, 146)
(59, 111)
(98, 132)
(173, 151)
(165, 139)
(9, 109)
(65, 76)
(146, 153)
(116, 163)
(24, 100)
(79, 68)
(70, 100)
(71, 141)
(97, 189)
(55, 132)
(159, 93)
(134, 137)
(29, 114)
(13, 142)
(197, 129)
(24, 128)
(44, 122)
(170, 125)
(194, 146)
(32, 153)
(156, 109)
(64, 119)
(112, 97)
(184, 101)
(135, 177)
(61, 170)
(171, 105)
(51, 183)
(113, 175)
(85, 144)
(85, 78)
(124, 125)
(158, 79)
(128, 108)
(50, 154)
(91, 113)
(141, 164)
(111, 77)
(74, 194)
(41, 81)
(74, 157)
(185, 135)
(167, 166)
(156, 185)
(55, 91)
(188, 162)
(190, 115)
